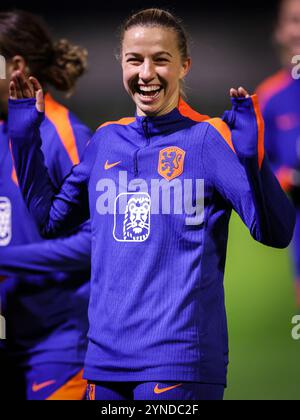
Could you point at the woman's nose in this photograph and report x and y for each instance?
(147, 72)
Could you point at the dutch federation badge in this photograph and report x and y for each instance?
(5, 221)
(171, 162)
(132, 217)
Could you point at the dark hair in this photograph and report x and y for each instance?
(59, 63)
(161, 18)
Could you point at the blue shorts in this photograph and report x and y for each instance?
(49, 381)
(154, 391)
(55, 382)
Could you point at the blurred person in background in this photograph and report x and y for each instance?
(45, 294)
(279, 97)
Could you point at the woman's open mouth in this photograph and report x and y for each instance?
(149, 93)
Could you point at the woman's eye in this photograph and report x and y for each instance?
(134, 60)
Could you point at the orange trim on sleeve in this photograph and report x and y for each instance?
(73, 390)
(122, 121)
(217, 123)
(13, 173)
(223, 130)
(59, 117)
(188, 112)
(261, 130)
(14, 177)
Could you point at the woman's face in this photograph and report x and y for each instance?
(288, 31)
(152, 69)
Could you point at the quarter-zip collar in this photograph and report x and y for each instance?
(164, 124)
(178, 119)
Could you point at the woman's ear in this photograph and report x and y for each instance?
(186, 68)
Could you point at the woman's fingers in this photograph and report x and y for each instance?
(243, 93)
(36, 86)
(233, 93)
(239, 93)
(23, 89)
(25, 86)
(20, 87)
(12, 90)
(39, 95)
(17, 87)
(40, 103)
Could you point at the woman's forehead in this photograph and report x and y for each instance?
(141, 38)
(290, 8)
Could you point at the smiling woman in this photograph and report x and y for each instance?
(155, 60)
(158, 326)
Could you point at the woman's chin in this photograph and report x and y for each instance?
(147, 109)
(148, 105)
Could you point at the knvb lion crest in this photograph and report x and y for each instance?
(171, 162)
(134, 224)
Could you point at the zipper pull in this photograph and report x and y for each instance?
(146, 130)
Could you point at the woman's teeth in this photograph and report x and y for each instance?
(149, 90)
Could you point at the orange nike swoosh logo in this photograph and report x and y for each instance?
(110, 165)
(161, 391)
(37, 388)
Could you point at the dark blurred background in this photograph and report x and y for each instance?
(231, 44)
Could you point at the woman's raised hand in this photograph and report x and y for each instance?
(239, 93)
(21, 87)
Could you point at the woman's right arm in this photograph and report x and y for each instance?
(67, 254)
(55, 212)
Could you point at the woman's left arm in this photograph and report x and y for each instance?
(240, 171)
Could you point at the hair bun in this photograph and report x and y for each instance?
(69, 63)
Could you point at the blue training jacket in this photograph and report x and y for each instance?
(159, 192)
